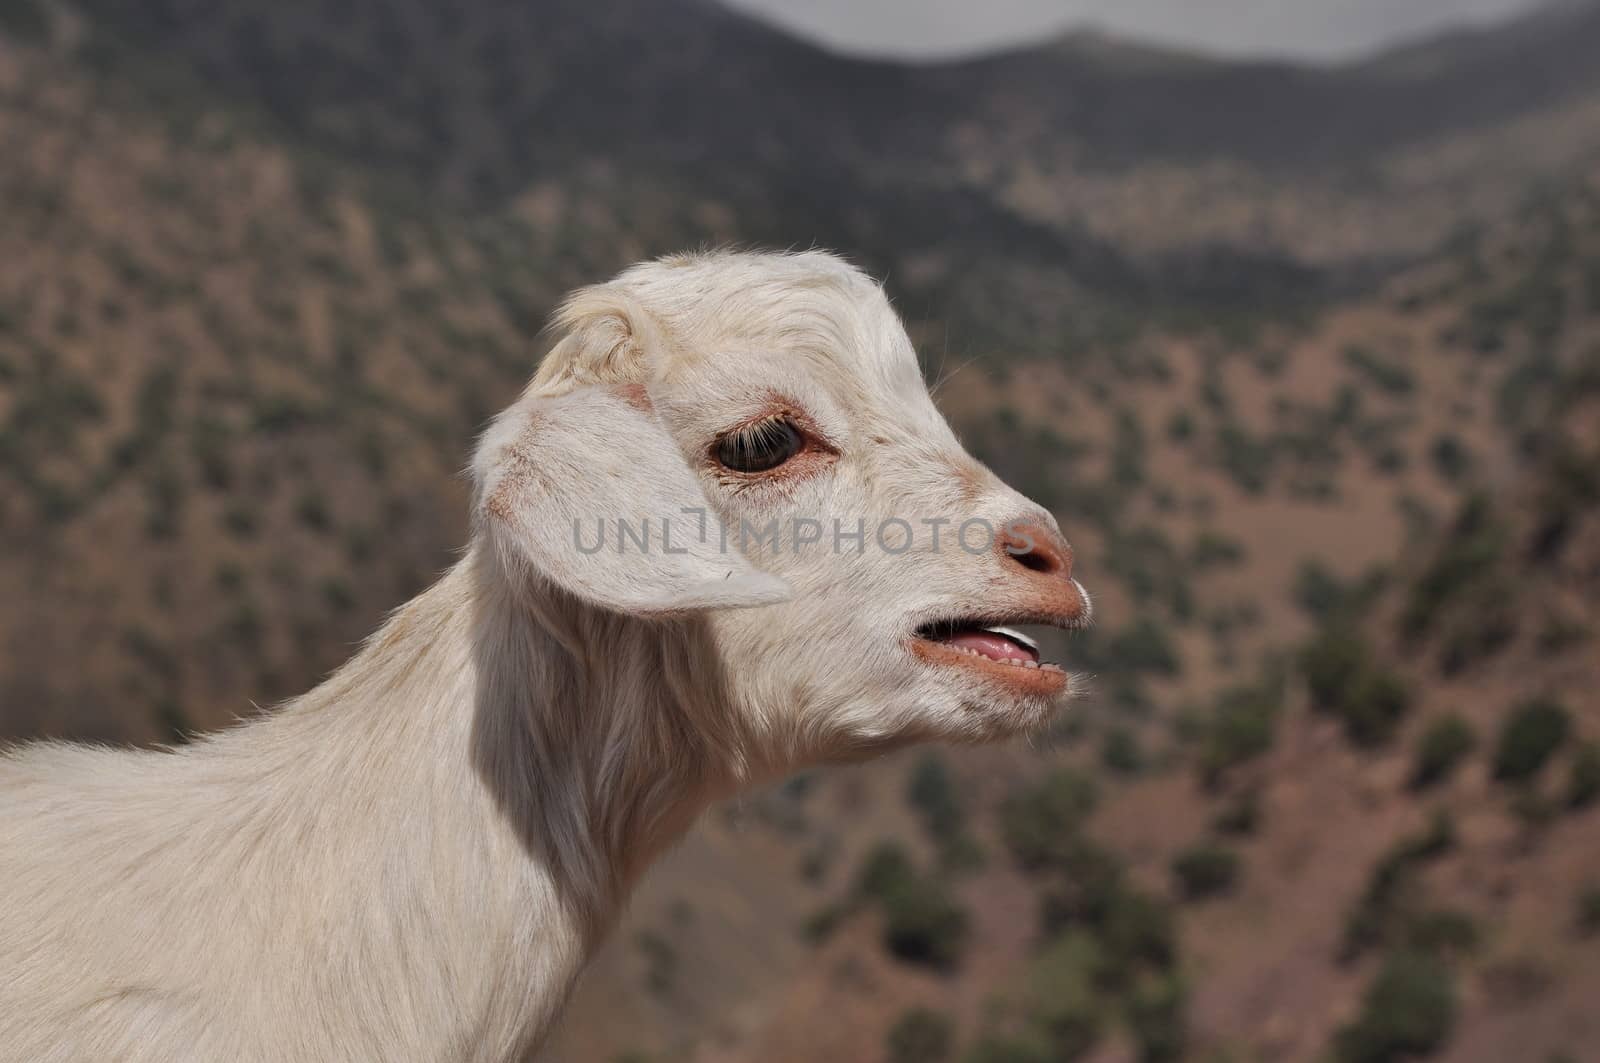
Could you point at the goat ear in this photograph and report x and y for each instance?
(556, 476)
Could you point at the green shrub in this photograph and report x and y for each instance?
(1441, 749)
(242, 520)
(165, 494)
(1111, 949)
(1389, 459)
(275, 414)
(1438, 839)
(1158, 1020)
(1386, 909)
(1120, 751)
(312, 511)
(244, 625)
(1389, 376)
(1409, 1010)
(1145, 560)
(1526, 381)
(1026, 1047)
(1138, 934)
(1588, 916)
(818, 860)
(338, 594)
(1040, 823)
(1245, 458)
(1213, 548)
(820, 924)
(1143, 646)
(1451, 458)
(921, 1035)
(661, 962)
(209, 445)
(1380, 705)
(1475, 543)
(1127, 449)
(932, 792)
(884, 868)
(1240, 815)
(1347, 683)
(1087, 883)
(230, 577)
(1062, 1002)
(1123, 963)
(1242, 725)
(1206, 870)
(1533, 809)
(1569, 489)
(1318, 591)
(1531, 734)
(1441, 932)
(962, 854)
(923, 923)
(1334, 664)
(1480, 635)
(1583, 783)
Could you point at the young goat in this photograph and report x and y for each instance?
(413, 861)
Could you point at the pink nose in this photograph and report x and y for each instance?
(1037, 548)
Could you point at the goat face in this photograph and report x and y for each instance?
(748, 438)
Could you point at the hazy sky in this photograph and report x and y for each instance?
(1323, 29)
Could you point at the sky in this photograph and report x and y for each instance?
(1305, 29)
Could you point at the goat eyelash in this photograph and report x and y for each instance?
(769, 429)
(760, 447)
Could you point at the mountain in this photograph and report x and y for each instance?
(1302, 357)
(1073, 134)
(495, 93)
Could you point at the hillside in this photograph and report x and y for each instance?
(1404, 491)
(1332, 166)
(256, 369)
(265, 269)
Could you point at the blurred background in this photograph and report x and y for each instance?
(1289, 310)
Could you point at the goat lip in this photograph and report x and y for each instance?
(1042, 679)
(992, 641)
(991, 649)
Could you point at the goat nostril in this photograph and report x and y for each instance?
(1037, 562)
(1038, 549)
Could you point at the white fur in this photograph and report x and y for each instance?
(413, 861)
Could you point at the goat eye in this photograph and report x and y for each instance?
(761, 446)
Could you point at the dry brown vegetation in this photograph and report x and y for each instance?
(1336, 788)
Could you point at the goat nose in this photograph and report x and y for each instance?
(1037, 548)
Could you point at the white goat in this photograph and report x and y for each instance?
(414, 860)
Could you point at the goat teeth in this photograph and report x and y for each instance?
(1014, 635)
(1030, 664)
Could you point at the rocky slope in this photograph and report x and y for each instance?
(1302, 358)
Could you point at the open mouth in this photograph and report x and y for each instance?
(993, 648)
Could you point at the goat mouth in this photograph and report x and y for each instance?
(992, 648)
